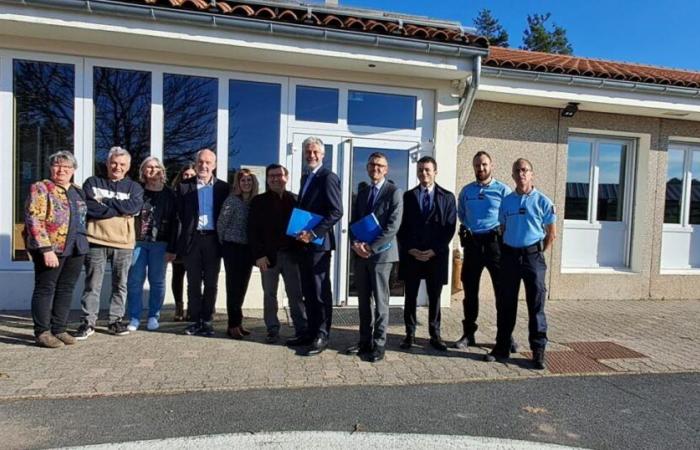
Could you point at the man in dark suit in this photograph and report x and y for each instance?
(428, 225)
(320, 194)
(374, 260)
(199, 201)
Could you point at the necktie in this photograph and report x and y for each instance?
(425, 203)
(372, 198)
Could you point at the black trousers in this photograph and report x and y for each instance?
(178, 281)
(531, 269)
(202, 264)
(479, 253)
(238, 262)
(315, 268)
(433, 283)
(53, 292)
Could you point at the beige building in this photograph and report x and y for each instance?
(253, 79)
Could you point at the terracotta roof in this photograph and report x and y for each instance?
(509, 58)
(321, 17)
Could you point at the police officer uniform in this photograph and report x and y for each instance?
(524, 217)
(479, 235)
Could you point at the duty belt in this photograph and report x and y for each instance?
(529, 250)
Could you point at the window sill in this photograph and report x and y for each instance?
(688, 271)
(599, 270)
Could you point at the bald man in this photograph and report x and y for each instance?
(198, 206)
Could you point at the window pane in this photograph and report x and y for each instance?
(578, 172)
(189, 112)
(674, 186)
(694, 218)
(44, 115)
(381, 110)
(254, 124)
(122, 115)
(611, 181)
(316, 104)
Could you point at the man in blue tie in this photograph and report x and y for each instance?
(374, 260)
(320, 194)
(427, 227)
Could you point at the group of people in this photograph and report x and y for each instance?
(139, 227)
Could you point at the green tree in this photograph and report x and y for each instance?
(537, 37)
(488, 26)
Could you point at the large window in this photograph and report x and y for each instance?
(189, 118)
(254, 124)
(316, 104)
(375, 109)
(44, 95)
(122, 115)
(597, 212)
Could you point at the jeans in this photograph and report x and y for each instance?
(53, 292)
(148, 260)
(287, 266)
(95, 263)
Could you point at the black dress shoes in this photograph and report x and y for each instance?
(467, 340)
(317, 346)
(359, 349)
(437, 344)
(299, 341)
(496, 355)
(376, 355)
(538, 359)
(408, 342)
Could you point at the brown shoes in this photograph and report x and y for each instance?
(48, 340)
(66, 338)
(235, 333)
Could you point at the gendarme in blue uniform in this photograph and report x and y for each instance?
(479, 204)
(525, 216)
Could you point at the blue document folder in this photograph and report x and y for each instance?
(368, 230)
(303, 220)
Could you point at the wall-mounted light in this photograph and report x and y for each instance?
(570, 110)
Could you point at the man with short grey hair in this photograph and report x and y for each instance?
(112, 203)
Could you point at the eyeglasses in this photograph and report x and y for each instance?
(62, 166)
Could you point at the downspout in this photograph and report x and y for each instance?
(471, 84)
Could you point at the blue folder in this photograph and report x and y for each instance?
(303, 220)
(368, 230)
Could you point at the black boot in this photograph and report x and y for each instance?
(538, 359)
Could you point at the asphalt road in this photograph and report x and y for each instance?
(623, 411)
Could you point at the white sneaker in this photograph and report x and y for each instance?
(152, 324)
(133, 325)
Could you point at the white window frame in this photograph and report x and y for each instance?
(627, 212)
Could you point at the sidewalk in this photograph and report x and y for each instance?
(586, 337)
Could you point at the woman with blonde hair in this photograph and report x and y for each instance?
(232, 229)
(156, 232)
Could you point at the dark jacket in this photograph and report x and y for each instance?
(434, 232)
(162, 217)
(188, 210)
(323, 197)
(267, 225)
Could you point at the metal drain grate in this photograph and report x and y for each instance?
(603, 350)
(571, 362)
(350, 316)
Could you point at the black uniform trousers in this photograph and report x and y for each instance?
(202, 265)
(528, 265)
(480, 251)
(433, 283)
(315, 270)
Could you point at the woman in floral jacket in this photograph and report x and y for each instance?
(54, 219)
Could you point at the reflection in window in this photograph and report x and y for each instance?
(122, 115)
(254, 124)
(674, 186)
(611, 181)
(578, 172)
(375, 109)
(190, 116)
(44, 115)
(315, 104)
(694, 218)
(398, 175)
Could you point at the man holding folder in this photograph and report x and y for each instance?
(374, 259)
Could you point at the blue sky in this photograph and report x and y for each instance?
(642, 31)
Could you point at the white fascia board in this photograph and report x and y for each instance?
(553, 95)
(225, 42)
